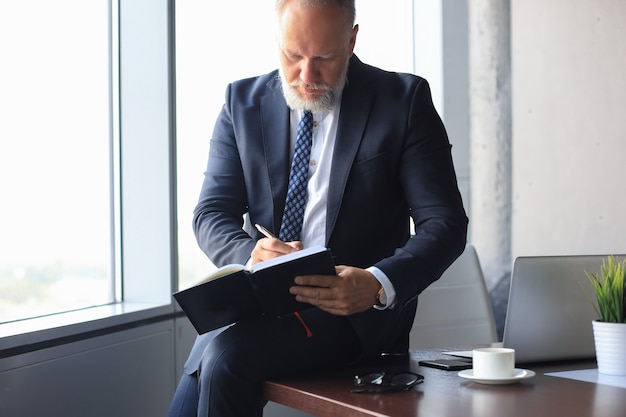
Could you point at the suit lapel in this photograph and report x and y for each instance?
(356, 103)
(275, 124)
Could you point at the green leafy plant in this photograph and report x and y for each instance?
(610, 290)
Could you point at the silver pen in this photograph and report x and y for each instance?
(264, 231)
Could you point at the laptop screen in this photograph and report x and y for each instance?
(549, 312)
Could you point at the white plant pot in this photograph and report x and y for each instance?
(610, 341)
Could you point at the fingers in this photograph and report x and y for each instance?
(327, 281)
(297, 245)
(323, 298)
(278, 246)
(352, 290)
(269, 248)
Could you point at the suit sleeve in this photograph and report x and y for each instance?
(428, 179)
(218, 216)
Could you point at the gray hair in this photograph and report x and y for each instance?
(346, 5)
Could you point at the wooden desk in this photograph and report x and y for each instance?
(444, 393)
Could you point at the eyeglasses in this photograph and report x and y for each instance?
(377, 382)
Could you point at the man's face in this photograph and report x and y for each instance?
(315, 46)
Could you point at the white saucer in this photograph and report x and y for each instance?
(519, 375)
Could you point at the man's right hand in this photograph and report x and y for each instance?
(269, 248)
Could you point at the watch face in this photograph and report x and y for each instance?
(382, 298)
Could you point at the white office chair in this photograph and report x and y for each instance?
(455, 311)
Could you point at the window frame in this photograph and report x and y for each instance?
(145, 200)
(143, 194)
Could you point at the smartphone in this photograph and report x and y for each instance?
(447, 364)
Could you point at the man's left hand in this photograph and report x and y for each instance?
(351, 291)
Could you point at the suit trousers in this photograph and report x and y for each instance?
(238, 358)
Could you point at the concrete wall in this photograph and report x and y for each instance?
(569, 127)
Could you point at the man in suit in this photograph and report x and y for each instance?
(380, 156)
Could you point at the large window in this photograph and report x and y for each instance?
(216, 43)
(74, 230)
(55, 157)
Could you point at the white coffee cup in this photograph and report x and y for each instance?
(493, 363)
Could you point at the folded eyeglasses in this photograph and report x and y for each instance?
(377, 382)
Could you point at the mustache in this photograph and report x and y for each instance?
(314, 86)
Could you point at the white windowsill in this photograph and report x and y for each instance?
(56, 326)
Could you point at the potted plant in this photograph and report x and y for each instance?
(609, 329)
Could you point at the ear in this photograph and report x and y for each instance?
(355, 30)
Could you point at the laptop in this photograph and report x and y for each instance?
(549, 312)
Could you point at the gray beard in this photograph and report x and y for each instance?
(325, 102)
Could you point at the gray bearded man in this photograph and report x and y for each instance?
(379, 157)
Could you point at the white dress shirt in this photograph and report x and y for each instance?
(314, 223)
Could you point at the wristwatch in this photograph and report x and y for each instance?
(381, 297)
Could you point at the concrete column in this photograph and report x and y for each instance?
(490, 136)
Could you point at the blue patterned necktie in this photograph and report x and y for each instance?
(295, 203)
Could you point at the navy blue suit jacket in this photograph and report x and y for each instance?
(392, 162)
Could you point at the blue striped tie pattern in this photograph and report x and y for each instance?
(291, 225)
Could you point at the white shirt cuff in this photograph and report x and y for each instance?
(387, 285)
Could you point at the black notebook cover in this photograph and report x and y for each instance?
(243, 294)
